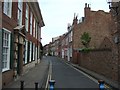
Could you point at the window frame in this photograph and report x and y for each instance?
(30, 55)
(19, 16)
(7, 9)
(9, 48)
(34, 25)
(26, 51)
(26, 17)
(31, 17)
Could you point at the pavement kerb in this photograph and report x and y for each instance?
(108, 82)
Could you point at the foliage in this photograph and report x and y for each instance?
(85, 38)
(86, 50)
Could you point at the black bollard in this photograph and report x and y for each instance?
(22, 85)
(36, 85)
(101, 85)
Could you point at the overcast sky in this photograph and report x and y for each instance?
(58, 13)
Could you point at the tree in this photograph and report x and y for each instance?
(85, 39)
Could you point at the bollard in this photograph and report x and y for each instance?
(36, 85)
(101, 85)
(22, 85)
(51, 82)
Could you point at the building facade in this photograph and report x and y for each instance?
(21, 38)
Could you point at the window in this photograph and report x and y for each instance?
(71, 35)
(19, 12)
(6, 50)
(30, 51)
(26, 18)
(26, 51)
(33, 51)
(36, 53)
(7, 7)
(31, 23)
(34, 28)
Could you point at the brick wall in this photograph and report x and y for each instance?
(97, 24)
(6, 23)
(102, 61)
(7, 77)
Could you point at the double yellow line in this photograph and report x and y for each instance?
(49, 76)
(107, 87)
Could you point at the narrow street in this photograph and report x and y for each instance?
(66, 76)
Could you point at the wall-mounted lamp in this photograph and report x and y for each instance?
(113, 5)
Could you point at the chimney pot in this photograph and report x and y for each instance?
(85, 4)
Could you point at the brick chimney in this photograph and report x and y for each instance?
(87, 10)
(75, 20)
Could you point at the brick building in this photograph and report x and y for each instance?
(94, 24)
(21, 38)
(103, 58)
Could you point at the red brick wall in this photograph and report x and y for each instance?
(10, 24)
(97, 24)
(7, 77)
(101, 61)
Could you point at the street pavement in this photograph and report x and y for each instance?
(36, 74)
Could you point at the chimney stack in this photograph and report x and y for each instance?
(87, 11)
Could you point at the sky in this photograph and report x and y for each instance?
(58, 13)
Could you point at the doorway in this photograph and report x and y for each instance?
(20, 59)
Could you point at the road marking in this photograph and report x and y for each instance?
(93, 79)
(47, 82)
(49, 76)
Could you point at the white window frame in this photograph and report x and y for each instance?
(71, 35)
(26, 17)
(34, 28)
(26, 50)
(30, 51)
(20, 6)
(33, 51)
(8, 54)
(36, 53)
(31, 16)
(7, 9)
